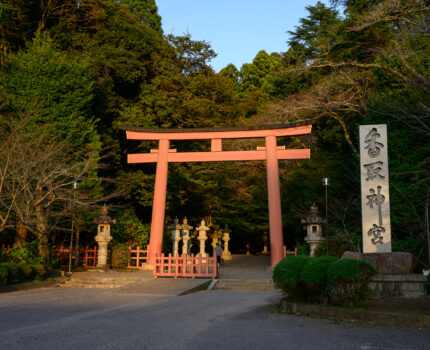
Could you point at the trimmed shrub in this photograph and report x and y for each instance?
(41, 270)
(120, 256)
(348, 281)
(26, 271)
(287, 275)
(4, 274)
(314, 276)
(14, 273)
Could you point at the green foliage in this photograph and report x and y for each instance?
(21, 264)
(316, 33)
(12, 272)
(4, 273)
(28, 254)
(314, 278)
(314, 273)
(146, 11)
(303, 249)
(120, 255)
(348, 281)
(287, 274)
(57, 89)
(129, 230)
(324, 279)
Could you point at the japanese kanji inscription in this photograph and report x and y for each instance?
(375, 197)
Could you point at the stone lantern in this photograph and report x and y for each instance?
(175, 229)
(265, 240)
(216, 237)
(103, 236)
(313, 227)
(185, 235)
(202, 237)
(226, 255)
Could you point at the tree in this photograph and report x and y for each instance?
(252, 76)
(316, 33)
(146, 11)
(57, 89)
(37, 171)
(192, 56)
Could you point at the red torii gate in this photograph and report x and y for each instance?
(271, 153)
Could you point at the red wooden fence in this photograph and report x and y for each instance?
(185, 266)
(291, 252)
(138, 258)
(87, 256)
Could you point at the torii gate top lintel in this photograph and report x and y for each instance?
(216, 135)
(271, 153)
(291, 129)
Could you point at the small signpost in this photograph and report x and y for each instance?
(375, 197)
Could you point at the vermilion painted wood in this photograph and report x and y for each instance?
(90, 258)
(87, 256)
(207, 135)
(159, 203)
(291, 252)
(274, 198)
(3, 246)
(216, 145)
(185, 266)
(139, 257)
(219, 156)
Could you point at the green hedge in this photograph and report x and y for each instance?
(324, 279)
(287, 274)
(348, 281)
(12, 273)
(314, 276)
(120, 256)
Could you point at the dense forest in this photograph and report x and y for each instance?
(73, 73)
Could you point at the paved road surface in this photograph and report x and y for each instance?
(115, 319)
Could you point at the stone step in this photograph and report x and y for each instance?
(257, 285)
(98, 282)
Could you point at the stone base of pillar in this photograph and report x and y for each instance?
(147, 267)
(226, 256)
(100, 269)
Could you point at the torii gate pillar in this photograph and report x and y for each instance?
(159, 203)
(274, 197)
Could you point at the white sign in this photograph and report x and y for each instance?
(375, 196)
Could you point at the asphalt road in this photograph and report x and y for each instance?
(105, 319)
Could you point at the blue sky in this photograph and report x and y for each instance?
(236, 29)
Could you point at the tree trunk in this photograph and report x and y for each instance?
(21, 234)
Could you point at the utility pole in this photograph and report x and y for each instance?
(326, 183)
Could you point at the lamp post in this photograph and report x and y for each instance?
(326, 183)
(75, 187)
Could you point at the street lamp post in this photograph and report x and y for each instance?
(326, 183)
(75, 187)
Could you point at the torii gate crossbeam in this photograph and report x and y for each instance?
(271, 153)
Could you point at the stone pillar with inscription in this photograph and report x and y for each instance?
(375, 206)
(375, 196)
